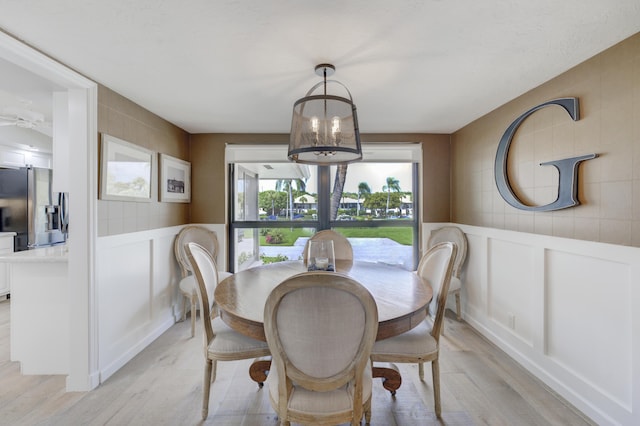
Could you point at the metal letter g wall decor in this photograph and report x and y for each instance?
(567, 168)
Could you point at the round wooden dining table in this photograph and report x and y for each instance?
(401, 297)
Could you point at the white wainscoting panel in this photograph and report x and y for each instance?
(589, 336)
(510, 287)
(164, 290)
(476, 290)
(125, 303)
(566, 310)
(138, 295)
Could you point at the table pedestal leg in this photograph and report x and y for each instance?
(391, 378)
(258, 370)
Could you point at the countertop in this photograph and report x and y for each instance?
(7, 234)
(51, 254)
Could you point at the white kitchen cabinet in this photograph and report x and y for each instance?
(6, 246)
(14, 158)
(39, 309)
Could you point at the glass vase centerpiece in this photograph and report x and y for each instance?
(321, 256)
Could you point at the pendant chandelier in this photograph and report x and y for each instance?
(324, 128)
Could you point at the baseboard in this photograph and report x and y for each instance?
(127, 356)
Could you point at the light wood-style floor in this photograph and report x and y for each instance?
(163, 386)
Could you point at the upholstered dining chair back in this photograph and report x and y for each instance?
(320, 328)
(206, 275)
(436, 267)
(455, 235)
(341, 245)
(204, 237)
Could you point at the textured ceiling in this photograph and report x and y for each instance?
(237, 66)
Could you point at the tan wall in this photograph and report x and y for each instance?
(608, 87)
(208, 190)
(209, 173)
(436, 192)
(121, 118)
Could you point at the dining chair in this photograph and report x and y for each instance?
(453, 234)
(320, 370)
(341, 245)
(422, 343)
(221, 343)
(207, 239)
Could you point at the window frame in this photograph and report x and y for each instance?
(376, 153)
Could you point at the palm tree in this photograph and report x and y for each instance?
(287, 185)
(393, 184)
(338, 187)
(273, 203)
(303, 199)
(363, 189)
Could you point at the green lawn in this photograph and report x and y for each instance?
(402, 235)
(289, 236)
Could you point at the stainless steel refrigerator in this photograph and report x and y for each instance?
(28, 208)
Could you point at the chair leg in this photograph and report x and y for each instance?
(458, 304)
(214, 369)
(435, 371)
(206, 388)
(358, 413)
(185, 299)
(367, 411)
(421, 370)
(194, 309)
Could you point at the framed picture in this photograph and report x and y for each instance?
(125, 170)
(175, 180)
